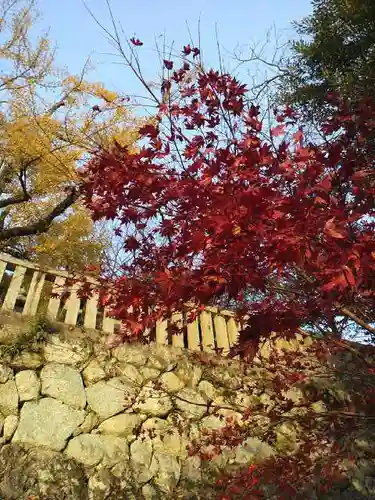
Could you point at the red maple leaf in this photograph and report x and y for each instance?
(298, 137)
(136, 42)
(278, 130)
(168, 64)
(333, 230)
(149, 131)
(210, 198)
(338, 282)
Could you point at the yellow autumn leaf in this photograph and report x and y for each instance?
(48, 126)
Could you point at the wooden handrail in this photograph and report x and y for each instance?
(214, 328)
(36, 267)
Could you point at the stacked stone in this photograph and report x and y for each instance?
(122, 418)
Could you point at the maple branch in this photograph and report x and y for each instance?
(115, 39)
(347, 312)
(44, 224)
(325, 415)
(347, 347)
(344, 310)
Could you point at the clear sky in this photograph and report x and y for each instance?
(238, 22)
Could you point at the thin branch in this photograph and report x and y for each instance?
(18, 198)
(61, 102)
(116, 40)
(351, 349)
(347, 312)
(23, 181)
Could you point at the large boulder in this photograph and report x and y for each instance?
(92, 449)
(39, 473)
(47, 423)
(110, 397)
(28, 385)
(8, 398)
(124, 424)
(66, 351)
(5, 373)
(63, 383)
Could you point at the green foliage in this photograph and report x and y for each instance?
(336, 53)
(40, 325)
(30, 339)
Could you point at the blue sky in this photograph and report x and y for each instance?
(238, 22)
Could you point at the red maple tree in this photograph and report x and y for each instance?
(216, 210)
(218, 206)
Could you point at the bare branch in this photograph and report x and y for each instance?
(347, 312)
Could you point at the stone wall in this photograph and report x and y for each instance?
(82, 419)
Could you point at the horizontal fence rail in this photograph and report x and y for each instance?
(28, 289)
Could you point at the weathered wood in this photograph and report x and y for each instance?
(54, 302)
(14, 288)
(33, 295)
(72, 306)
(218, 310)
(208, 340)
(108, 323)
(232, 331)
(30, 265)
(194, 342)
(178, 339)
(221, 334)
(161, 332)
(3, 266)
(91, 311)
(218, 327)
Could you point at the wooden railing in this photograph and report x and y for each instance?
(27, 289)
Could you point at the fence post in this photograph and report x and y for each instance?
(232, 331)
(3, 266)
(208, 340)
(162, 332)
(221, 333)
(54, 302)
(91, 311)
(108, 323)
(33, 295)
(72, 306)
(193, 336)
(178, 338)
(14, 289)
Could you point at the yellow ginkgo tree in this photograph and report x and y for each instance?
(49, 122)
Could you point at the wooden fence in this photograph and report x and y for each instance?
(27, 289)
